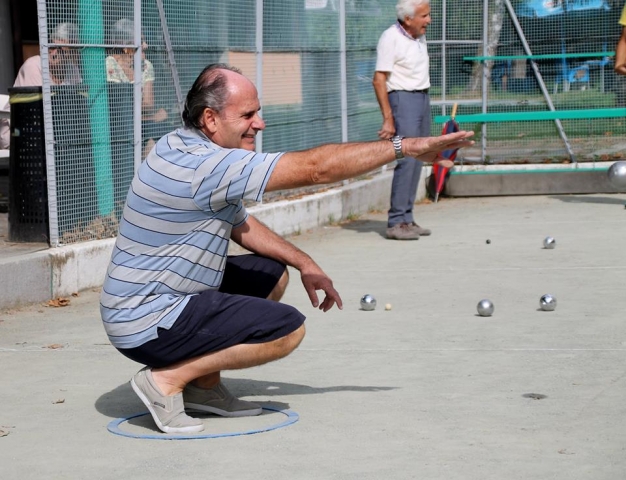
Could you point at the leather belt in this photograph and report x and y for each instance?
(424, 91)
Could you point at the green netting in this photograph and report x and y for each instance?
(535, 57)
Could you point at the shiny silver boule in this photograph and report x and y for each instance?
(368, 303)
(549, 243)
(547, 302)
(485, 308)
(617, 174)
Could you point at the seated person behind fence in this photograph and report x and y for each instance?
(172, 298)
(120, 69)
(64, 69)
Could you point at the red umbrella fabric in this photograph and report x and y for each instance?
(439, 171)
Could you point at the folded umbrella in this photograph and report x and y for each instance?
(440, 171)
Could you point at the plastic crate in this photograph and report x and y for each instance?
(28, 190)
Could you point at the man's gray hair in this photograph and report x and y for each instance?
(210, 90)
(406, 8)
(123, 32)
(64, 33)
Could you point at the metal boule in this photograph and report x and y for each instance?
(547, 302)
(617, 174)
(485, 308)
(368, 302)
(549, 243)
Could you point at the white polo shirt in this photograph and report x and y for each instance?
(404, 58)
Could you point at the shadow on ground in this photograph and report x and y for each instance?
(123, 401)
(588, 199)
(367, 226)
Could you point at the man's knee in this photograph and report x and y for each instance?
(279, 290)
(299, 334)
(290, 342)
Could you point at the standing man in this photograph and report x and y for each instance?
(401, 82)
(172, 298)
(620, 49)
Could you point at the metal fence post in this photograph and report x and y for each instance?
(137, 86)
(259, 65)
(343, 74)
(485, 89)
(53, 211)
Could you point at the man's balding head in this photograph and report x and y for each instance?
(212, 90)
(225, 106)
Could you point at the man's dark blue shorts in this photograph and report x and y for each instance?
(237, 313)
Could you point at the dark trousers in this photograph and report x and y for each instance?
(411, 114)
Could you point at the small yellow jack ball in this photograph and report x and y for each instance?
(388, 306)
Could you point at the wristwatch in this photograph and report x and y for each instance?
(397, 146)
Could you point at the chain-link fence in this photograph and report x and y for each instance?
(533, 78)
(550, 93)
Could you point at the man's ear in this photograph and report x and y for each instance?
(209, 120)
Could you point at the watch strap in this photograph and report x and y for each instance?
(397, 146)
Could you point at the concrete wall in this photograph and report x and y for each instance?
(498, 180)
(59, 272)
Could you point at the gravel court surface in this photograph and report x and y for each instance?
(426, 390)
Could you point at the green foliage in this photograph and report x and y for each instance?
(352, 216)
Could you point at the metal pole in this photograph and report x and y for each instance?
(485, 92)
(259, 65)
(343, 70)
(455, 42)
(443, 55)
(170, 56)
(53, 211)
(137, 85)
(542, 85)
(343, 73)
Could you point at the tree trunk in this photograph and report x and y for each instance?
(496, 17)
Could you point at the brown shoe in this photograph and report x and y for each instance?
(402, 231)
(422, 232)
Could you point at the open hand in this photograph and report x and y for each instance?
(428, 148)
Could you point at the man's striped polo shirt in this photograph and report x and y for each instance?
(173, 239)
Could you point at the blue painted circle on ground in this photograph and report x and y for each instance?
(113, 427)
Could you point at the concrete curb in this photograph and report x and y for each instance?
(529, 179)
(59, 272)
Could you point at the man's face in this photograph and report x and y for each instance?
(57, 56)
(60, 59)
(238, 123)
(417, 25)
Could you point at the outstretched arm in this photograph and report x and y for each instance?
(256, 237)
(335, 162)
